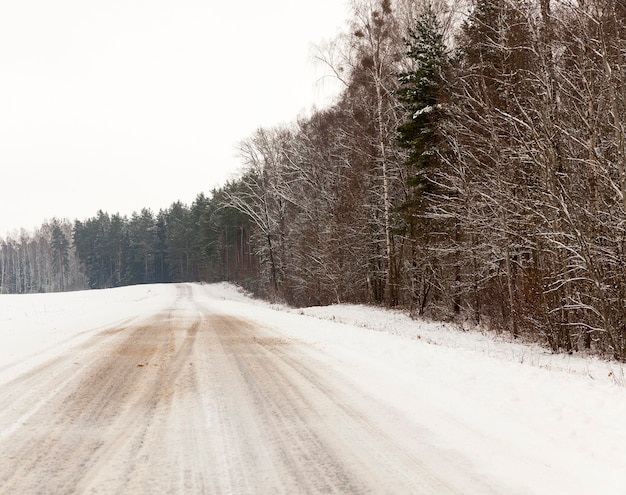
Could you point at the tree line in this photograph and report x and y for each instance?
(472, 168)
(206, 241)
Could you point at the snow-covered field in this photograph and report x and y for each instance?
(527, 421)
(36, 327)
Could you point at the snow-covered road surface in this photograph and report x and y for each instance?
(193, 401)
(201, 394)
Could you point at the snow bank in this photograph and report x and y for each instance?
(480, 344)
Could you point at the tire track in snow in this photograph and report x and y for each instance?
(191, 401)
(328, 440)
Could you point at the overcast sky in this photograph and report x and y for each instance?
(124, 104)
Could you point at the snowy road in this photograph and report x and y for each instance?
(191, 401)
(206, 395)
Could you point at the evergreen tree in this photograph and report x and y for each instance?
(178, 242)
(160, 263)
(199, 225)
(60, 255)
(422, 94)
(141, 250)
(117, 246)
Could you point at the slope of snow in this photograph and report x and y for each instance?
(531, 421)
(480, 344)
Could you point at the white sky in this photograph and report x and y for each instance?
(124, 104)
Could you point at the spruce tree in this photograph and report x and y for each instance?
(433, 273)
(422, 93)
(60, 255)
